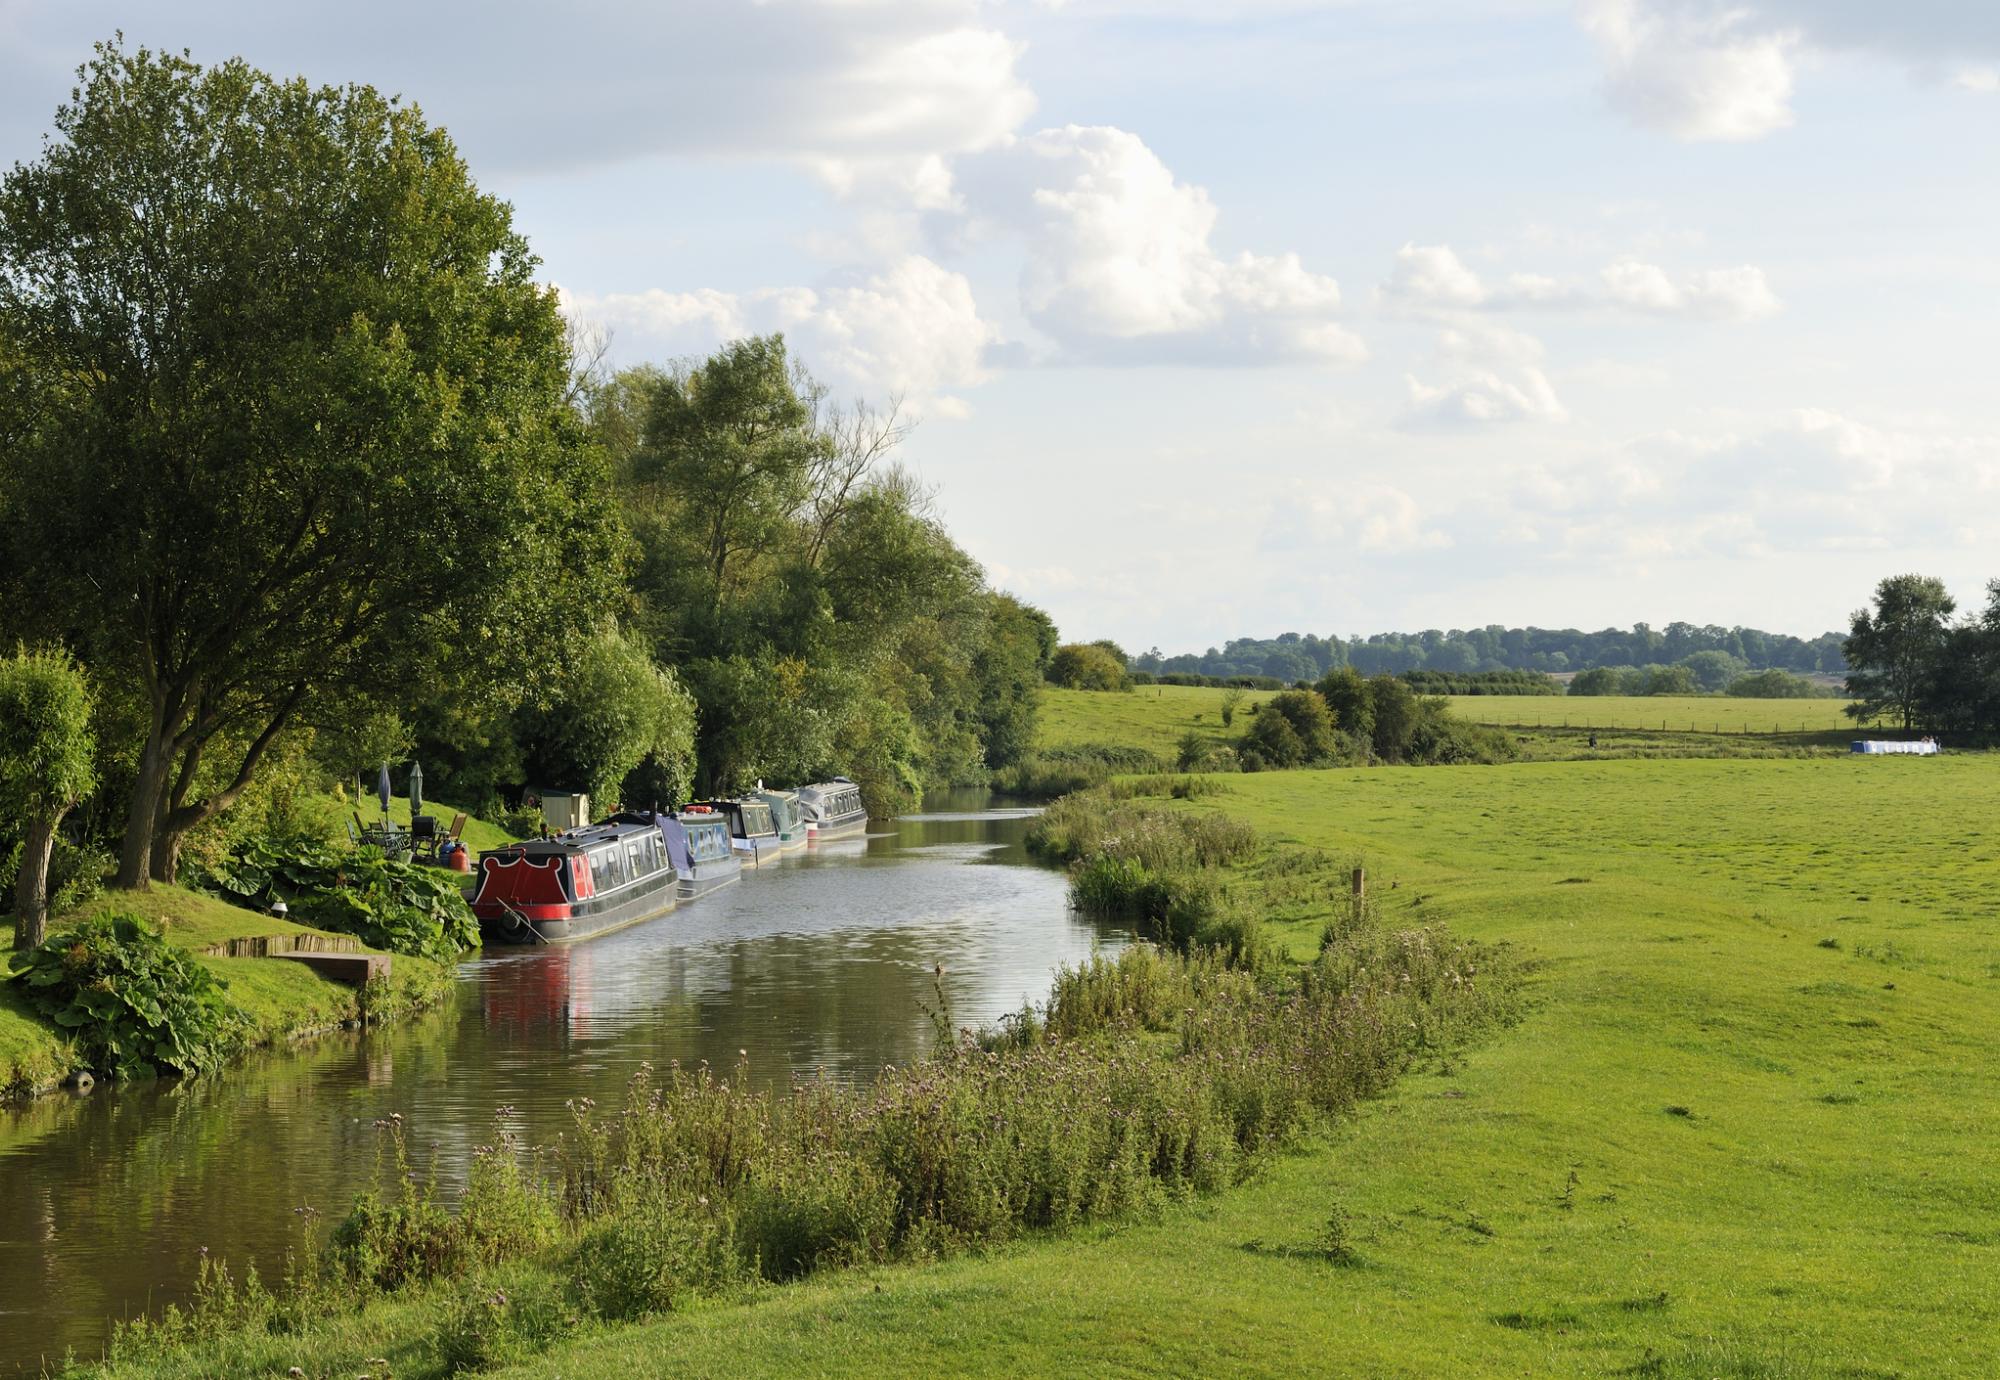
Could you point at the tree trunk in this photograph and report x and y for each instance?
(31, 888)
(135, 858)
(166, 860)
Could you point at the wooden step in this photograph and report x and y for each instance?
(352, 969)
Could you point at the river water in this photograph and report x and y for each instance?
(819, 965)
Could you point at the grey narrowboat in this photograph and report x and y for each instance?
(785, 813)
(833, 809)
(704, 857)
(752, 831)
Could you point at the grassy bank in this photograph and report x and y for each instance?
(1718, 1146)
(1743, 1130)
(277, 998)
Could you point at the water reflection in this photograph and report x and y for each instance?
(816, 966)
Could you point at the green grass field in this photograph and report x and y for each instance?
(1153, 717)
(1744, 1131)
(1671, 713)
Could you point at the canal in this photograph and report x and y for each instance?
(820, 965)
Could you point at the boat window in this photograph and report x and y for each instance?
(757, 819)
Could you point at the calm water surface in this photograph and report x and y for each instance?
(818, 965)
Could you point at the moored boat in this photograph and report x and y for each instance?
(752, 831)
(576, 884)
(785, 813)
(704, 857)
(832, 809)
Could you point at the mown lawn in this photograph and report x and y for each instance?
(1744, 1129)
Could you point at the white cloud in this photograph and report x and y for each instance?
(1369, 517)
(1813, 481)
(1120, 264)
(1491, 375)
(859, 90)
(1723, 69)
(1432, 279)
(912, 329)
(1693, 72)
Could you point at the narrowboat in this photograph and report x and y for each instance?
(785, 813)
(833, 809)
(752, 831)
(698, 840)
(576, 884)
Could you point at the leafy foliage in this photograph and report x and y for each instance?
(1087, 666)
(401, 907)
(132, 1001)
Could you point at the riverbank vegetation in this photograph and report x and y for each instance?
(266, 1003)
(1145, 1083)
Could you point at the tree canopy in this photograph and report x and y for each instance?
(289, 417)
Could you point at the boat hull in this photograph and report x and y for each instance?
(756, 850)
(515, 926)
(707, 877)
(851, 827)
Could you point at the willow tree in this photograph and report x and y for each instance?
(289, 417)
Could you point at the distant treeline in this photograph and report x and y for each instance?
(1481, 683)
(1292, 657)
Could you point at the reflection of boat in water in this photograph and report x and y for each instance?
(703, 854)
(832, 809)
(753, 833)
(576, 884)
(785, 813)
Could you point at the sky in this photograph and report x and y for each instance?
(1232, 319)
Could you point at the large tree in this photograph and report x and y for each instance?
(289, 412)
(1894, 651)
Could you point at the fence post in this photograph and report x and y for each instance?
(1360, 892)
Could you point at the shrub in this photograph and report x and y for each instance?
(1441, 738)
(1307, 713)
(401, 907)
(1087, 666)
(1778, 685)
(1274, 742)
(653, 1255)
(131, 1001)
(488, 1325)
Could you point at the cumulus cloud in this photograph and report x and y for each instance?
(1432, 279)
(857, 91)
(1490, 375)
(1120, 265)
(1368, 517)
(1694, 73)
(1813, 481)
(1724, 69)
(912, 329)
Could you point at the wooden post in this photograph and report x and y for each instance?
(1360, 892)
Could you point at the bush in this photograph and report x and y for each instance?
(1273, 741)
(131, 1001)
(1076, 767)
(1087, 666)
(488, 1325)
(401, 907)
(1307, 713)
(1778, 685)
(653, 1255)
(1441, 738)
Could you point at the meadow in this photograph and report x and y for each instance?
(1656, 713)
(1153, 717)
(1741, 1130)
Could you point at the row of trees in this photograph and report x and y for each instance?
(301, 462)
(1292, 657)
(1347, 717)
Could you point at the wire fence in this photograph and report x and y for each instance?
(1668, 724)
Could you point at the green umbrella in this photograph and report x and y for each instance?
(416, 789)
(382, 789)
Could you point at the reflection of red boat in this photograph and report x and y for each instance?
(550, 991)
